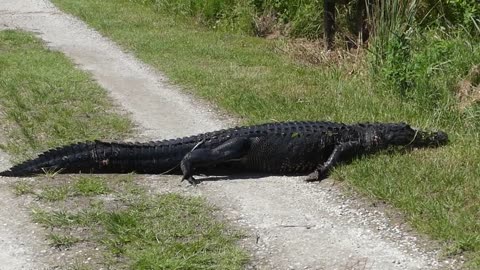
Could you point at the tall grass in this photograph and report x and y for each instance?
(421, 64)
(298, 18)
(392, 20)
(304, 18)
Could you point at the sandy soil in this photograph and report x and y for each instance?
(291, 224)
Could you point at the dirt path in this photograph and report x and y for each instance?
(293, 225)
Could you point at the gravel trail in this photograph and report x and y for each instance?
(291, 224)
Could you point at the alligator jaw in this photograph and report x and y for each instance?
(432, 139)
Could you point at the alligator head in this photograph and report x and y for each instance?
(403, 134)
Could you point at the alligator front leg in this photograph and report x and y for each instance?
(338, 155)
(234, 148)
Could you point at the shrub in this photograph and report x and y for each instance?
(308, 20)
(421, 64)
(465, 13)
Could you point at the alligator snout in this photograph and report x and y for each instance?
(439, 137)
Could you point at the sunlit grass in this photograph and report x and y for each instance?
(140, 230)
(46, 102)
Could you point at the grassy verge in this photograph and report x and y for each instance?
(46, 102)
(116, 224)
(437, 189)
(98, 222)
(243, 74)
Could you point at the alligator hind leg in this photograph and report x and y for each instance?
(338, 155)
(234, 148)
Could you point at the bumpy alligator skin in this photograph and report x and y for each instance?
(275, 148)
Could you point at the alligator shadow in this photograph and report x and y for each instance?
(230, 174)
(227, 172)
(231, 177)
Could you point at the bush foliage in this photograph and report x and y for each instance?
(418, 49)
(304, 18)
(416, 56)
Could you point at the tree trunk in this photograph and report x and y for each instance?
(329, 23)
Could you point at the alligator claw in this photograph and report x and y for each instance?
(312, 177)
(192, 181)
(317, 175)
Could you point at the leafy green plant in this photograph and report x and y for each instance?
(240, 18)
(465, 13)
(394, 22)
(308, 20)
(425, 67)
(395, 68)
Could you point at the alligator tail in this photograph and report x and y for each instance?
(62, 158)
(98, 157)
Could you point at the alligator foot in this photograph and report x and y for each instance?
(317, 175)
(192, 181)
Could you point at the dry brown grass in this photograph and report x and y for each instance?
(267, 26)
(313, 53)
(468, 89)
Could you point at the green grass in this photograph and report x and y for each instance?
(85, 185)
(52, 193)
(46, 102)
(436, 188)
(142, 231)
(22, 188)
(180, 235)
(57, 218)
(91, 185)
(62, 241)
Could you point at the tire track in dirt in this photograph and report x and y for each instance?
(291, 224)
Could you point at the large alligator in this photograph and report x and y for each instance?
(276, 148)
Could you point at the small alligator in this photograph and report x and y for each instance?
(275, 148)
